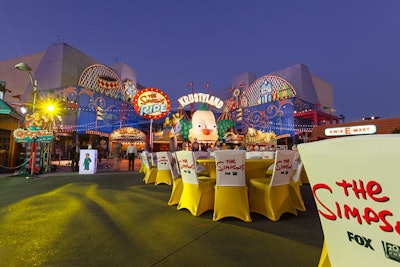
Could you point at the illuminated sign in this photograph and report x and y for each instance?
(22, 135)
(351, 130)
(152, 103)
(201, 98)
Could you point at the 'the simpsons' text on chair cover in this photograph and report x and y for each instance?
(151, 172)
(198, 191)
(177, 185)
(271, 197)
(163, 168)
(355, 183)
(231, 196)
(295, 191)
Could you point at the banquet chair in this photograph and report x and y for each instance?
(231, 195)
(163, 168)
(153, 159)
(271, 197)
(296, 161)
(151, 172)
(198, 191)
(143, 163)
(201, 171)
(294, 186)
(177, 185)
(324, 259)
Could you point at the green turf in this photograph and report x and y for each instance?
(113, 219)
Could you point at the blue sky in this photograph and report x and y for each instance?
(352, 44)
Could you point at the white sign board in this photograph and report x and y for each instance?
(355, 182)
(88, 161)
(350, 130)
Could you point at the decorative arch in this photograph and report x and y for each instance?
(267, 89)
(104, 80)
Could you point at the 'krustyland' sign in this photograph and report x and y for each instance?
(201, 98)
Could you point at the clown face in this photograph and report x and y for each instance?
(204, 127)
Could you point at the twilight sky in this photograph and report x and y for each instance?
(353, 44)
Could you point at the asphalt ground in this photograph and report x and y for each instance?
(114, 219)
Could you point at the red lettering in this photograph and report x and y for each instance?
(353, 212)
(345, 185)
(374, 188)
(387, 227)
(367, 214)
(371, 189)
(331, 215)
(370, 215)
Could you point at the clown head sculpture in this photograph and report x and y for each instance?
(204, 127)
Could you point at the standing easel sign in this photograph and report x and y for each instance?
(88, 161)
(355, 182)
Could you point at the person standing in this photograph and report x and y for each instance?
(117, 156)
(131, 153)
(74, 154)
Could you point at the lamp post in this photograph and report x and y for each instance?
(342, 117)
(27, 68)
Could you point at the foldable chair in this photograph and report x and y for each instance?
(295, 191)
(177, 185)
(231, 196)
(151, 172)
(271, 197)
(198, 191)
(163, 168)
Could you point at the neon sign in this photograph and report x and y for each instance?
(152, 103)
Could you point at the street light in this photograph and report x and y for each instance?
(342, 117)
(25, 67)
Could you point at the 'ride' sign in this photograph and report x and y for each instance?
(152, 103)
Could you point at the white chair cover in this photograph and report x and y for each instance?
(145, 159)
(187, 166)
(283, 168)
(230, 167)
(163, 162)
(153, 159)
(296, 160)
(231, 194)
(174, 165)
(163, 168)
(296, 175)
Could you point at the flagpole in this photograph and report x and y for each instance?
(192, 104)
(151, 135)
